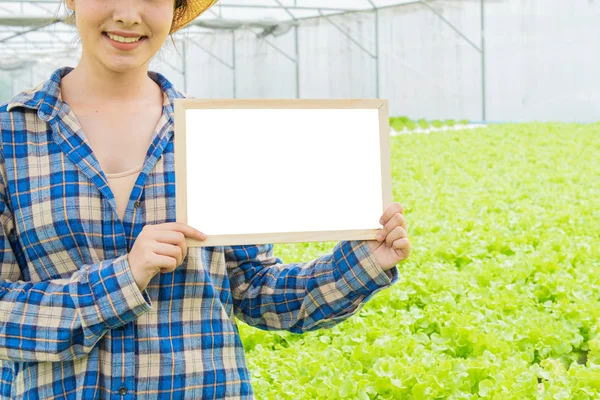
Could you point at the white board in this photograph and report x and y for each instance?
(275, 171)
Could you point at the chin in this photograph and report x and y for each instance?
(124, 67)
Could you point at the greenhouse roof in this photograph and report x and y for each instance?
(35, 29)
(281, 10)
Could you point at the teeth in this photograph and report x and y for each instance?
(123, 39)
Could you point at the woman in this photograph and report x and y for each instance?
(100, 297)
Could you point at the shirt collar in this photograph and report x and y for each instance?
(45, 97)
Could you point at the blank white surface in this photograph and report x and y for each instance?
(283, 170)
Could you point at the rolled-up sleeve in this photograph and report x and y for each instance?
(300, 297)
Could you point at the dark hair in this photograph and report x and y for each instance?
(180, 7)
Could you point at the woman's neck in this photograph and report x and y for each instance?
(97, 84)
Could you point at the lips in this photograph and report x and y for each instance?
(122, 45)
(125, 35)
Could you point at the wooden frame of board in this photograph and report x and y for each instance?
(181, 105)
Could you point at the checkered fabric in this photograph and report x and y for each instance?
(73, 323)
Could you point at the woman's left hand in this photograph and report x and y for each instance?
(392, 244)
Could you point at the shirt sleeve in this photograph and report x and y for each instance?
(61, 319)
(301, 297)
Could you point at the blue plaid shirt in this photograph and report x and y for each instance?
(73, 323)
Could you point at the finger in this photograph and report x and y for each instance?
(396, 220)
(398, 233)
(181, 242)
(174, 238)
(169, 250)
(170, 237)
(394, 208)
(402, 245)
(183, 228)
(165, 263)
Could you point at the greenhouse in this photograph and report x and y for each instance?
(494, 110)
(429, 58)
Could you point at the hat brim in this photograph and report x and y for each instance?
(184, 16)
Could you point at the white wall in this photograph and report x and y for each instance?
(542, 61)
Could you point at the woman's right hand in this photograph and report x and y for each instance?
(160, 248)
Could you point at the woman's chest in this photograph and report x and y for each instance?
(120, 144)
(61, 207)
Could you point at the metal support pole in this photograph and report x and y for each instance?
(37, 28)
(211, 54)
(343, 32)
(377, 58)
(296, 50)
(455, 29)
(480, 49)
(377, 66)
(483, 87)
(234, 70)
(297, 59)
(297, 62)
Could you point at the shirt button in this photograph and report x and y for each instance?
(123, 391)
(137, 203)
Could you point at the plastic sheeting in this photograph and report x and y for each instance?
(540, 56)
(271, 25)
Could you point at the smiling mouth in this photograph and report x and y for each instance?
(123, 39)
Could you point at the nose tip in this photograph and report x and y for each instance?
(126, 13)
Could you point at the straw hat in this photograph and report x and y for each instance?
(185, 15)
